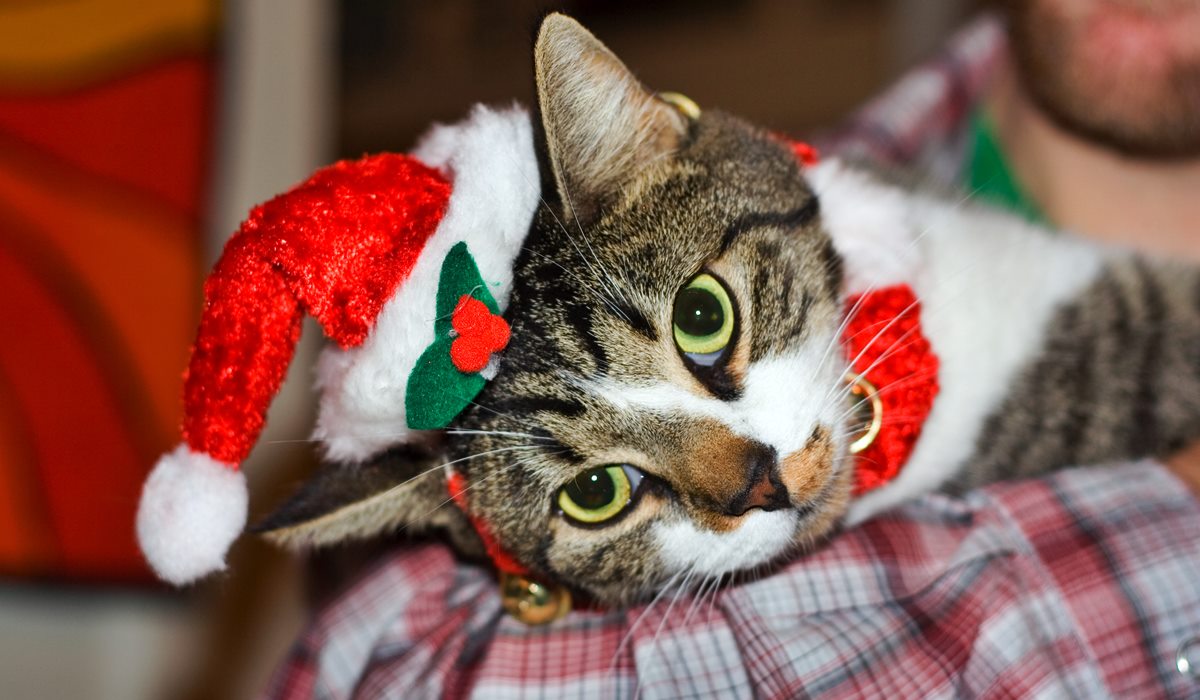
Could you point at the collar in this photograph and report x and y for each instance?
(504, 562)
(521, 595)
(896, 374)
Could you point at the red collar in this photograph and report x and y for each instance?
(504, 562)
(885, 345)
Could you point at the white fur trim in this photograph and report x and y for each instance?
(870, 225)
(491, 162)
(193, 507)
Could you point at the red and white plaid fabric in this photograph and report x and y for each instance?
(1083, 584)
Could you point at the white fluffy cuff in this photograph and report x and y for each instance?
(193, 507)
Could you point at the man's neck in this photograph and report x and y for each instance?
(1153, 206)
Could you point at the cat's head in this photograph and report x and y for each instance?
(671, 402)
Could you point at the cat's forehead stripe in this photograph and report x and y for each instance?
(632, 317)
(529, 405)
(789, 219)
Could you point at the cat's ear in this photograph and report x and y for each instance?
(600, 124)
(402, 489)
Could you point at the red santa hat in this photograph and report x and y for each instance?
(371, 249)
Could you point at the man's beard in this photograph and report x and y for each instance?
(1138, 109)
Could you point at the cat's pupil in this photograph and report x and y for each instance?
(593, 490)
(698, 312)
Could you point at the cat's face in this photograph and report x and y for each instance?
(671, 402)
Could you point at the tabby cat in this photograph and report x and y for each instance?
(675, 398)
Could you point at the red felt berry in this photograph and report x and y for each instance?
(480, 333)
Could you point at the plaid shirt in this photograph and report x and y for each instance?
(921, 122)
(1083, 584)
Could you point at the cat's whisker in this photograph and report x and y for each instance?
(835, 340)
(503, 433)
(470, 485)
(716, 594)
(886, 327)
(888, 352)
(477, 455)
(605, 298)
(888, 419)
(601, 279)
(966, 197)
(608, 275)
(902, 383)
(707, 584)
(405, 435)
(609, 301)
(666, 586)
(584, 236)
(683, 589)
(855, 428)
(522, 420)
(678, 590)
(929, 310)
(847, 390)
(862, 296)
(838, 337)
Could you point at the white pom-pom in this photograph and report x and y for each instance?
(193, 507)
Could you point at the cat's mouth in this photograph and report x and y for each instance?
(756, 537)
(760, 536)
(813, 500)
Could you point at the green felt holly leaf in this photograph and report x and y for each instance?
(459, 276)
(437, 391)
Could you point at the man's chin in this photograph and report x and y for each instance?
(1111, 73)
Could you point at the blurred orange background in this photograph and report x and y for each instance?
(100, 250)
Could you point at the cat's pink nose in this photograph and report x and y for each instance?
(763, 489)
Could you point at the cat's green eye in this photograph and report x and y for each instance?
(599, 494)
(703, 319)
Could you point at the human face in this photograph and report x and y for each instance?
(1124, 73)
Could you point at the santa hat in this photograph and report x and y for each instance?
(406, 263)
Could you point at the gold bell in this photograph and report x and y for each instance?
(532, 602)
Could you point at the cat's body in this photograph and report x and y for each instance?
(726, 448)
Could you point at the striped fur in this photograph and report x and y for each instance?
(1116, 378)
